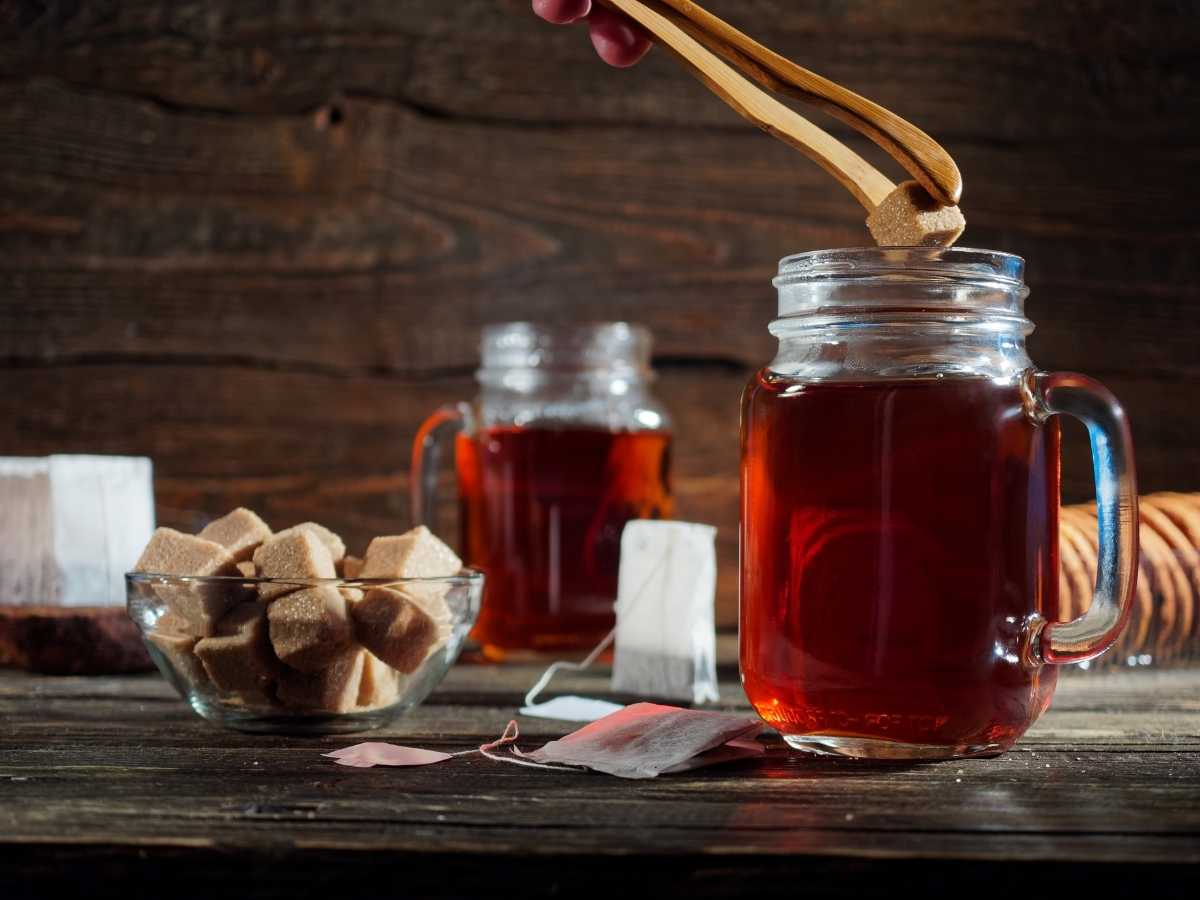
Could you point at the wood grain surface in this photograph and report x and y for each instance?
(118, 775)
(257, 241)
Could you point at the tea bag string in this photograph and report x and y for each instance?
(554, 667)
(587, 661)
(509, 739)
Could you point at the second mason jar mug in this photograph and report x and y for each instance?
(900, 496)
(563, 445)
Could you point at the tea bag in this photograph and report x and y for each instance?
(665, 635)
(646, 740)
(71, 527)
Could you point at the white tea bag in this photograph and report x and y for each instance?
(71, 527)
(665, 635)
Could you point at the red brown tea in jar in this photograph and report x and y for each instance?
(542, 510)
(896, 535)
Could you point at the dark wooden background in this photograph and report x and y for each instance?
(256, 241)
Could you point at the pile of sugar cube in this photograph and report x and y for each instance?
(303, 647)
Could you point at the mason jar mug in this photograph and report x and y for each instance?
(900, 495)
(564, 444)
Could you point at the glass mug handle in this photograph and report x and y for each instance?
(445, 422)
(1071, 394)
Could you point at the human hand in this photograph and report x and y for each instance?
(618, 40)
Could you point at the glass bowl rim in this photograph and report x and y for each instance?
(467, 575)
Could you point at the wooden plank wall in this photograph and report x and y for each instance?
(257, 241)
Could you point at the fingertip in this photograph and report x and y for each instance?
(620, 56)
(562, 12)
(618, 41)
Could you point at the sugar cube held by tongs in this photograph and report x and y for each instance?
(923, 211)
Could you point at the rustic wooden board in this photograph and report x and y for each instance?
(146, 234)
(990, 70)
(116, 777)
(257, 242)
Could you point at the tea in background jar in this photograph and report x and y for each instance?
(564, 444)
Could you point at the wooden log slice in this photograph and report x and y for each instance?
(1185, 514)
(71, 640)
(1182, 559)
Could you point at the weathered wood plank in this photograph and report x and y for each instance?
(300, 446)
(145, 233)
(299, 443)
(293, 441)
(102, 772)
(993, 71)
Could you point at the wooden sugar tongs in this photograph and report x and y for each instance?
(922, 211)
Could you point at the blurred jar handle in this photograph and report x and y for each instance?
(441, 427)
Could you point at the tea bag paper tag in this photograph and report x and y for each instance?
(377, 753)
(665, 635)
(571, 709)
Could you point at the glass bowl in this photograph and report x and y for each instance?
(234, 676)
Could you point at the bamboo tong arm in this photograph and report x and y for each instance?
(920, 155)
(688, 30)
(868, 185)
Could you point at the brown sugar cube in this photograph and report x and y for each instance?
(239, 658)
(172, 552)
(350, 567)
(310, 628)
(380, 686)
(295, 553)
(415, 554)
(394, 627)
(240, 532)
(432, 599)
(435, 606)
(332, 542)
(179, 650)
(171, 622)
(334, 689)
(910, 217)
(247, 568)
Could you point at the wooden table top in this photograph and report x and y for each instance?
(115, 783)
